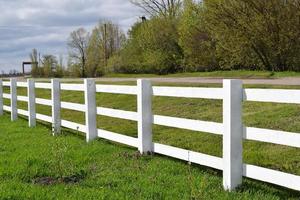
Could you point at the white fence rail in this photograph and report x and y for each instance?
(231, 129)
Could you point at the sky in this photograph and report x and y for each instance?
(46, 25)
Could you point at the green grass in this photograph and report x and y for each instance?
(226, 74)
(113, 171)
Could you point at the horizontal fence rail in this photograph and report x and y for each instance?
(232, 129)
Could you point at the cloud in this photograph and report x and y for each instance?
(46, 24)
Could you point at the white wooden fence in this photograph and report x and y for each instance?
(232, 128)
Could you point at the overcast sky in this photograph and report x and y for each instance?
(46, 24)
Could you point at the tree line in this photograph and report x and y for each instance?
(188, 36)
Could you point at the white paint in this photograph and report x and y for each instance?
(121, 114)
(73, 126)
(91, 109)
(145, 118)
(189, 92)
(272, 136)
(6, 83)
(72, 87)
(190, 156)
(13, 99)
(272, 95)
(22, 84)
(43, 85)
(44, 118)
(123, 139)
(272, 176)
(1, 97)
(73, 106)
(31, 102)
(6, 96)
(233, 134)
(45, 102)
(189, 124)
(117, 89)
(22, 98)
(55, 97)
(23, 112)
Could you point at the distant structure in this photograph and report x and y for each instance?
(143, 18)
(27, 63)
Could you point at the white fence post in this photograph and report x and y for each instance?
(233, 134)
(31, 103)
(145, 117)
(13, 99)
(91, 109)
(56, 106)
(1, 97)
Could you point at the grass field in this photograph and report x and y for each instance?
(110, 171)
(226, 74)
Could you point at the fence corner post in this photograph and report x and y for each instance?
(90, 109)
(13, 99)
(1, 97)
(145, 117)
(31, 103)
(56, 106)
(233, 134)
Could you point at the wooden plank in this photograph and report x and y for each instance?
(45, 118)
(22, 98)
(46, 102)
(43, 85)
(23, 112)
(73, 106)
(272, 176)
(90, 109)
(6, 83)
(6, 96)
(13, 99)
(56, 106)
(272, 95)
(189, 92)
(232, 134)
(117, 89)
(1, 97)
(73, 126)
(22, 84)
(121, 114)
(189, 124)
(123, 139)
(190, 156)
(31, 103)
(7, 108)
(145, 118)
(72, 87)
(272, 136)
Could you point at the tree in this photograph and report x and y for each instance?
(78, 43)
(49, 65)
(106, 39)
(197, 44)
(260, 34)
(165, 8)
(34, 59)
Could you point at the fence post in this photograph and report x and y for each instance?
(31, 103)
(233, 134)
(55, 97)
(145, 118)
(91, 109)
(1, 97)
(13, 99)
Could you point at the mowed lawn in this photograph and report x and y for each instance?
(105, 170)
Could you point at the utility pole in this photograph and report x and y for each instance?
(105, 45)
